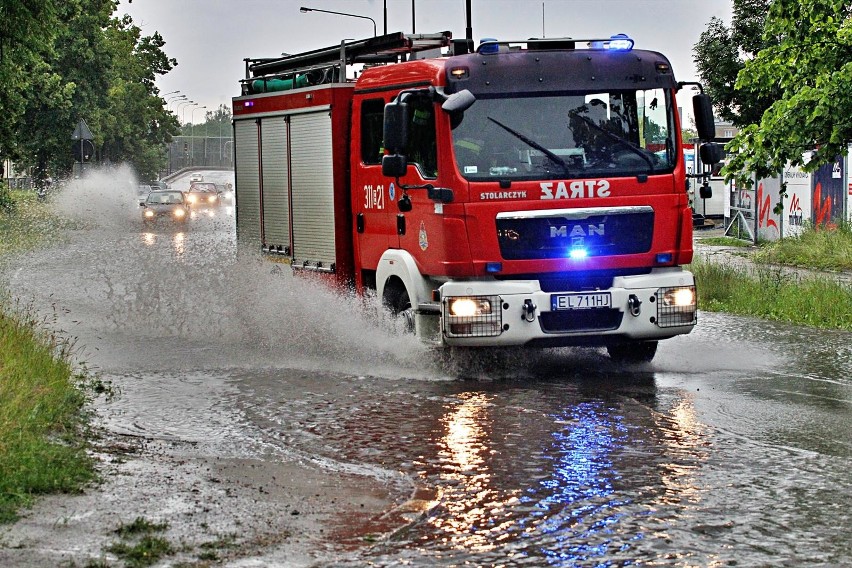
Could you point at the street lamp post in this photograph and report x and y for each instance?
(304, 10)
(183, 115)
(178, 107)
(192, 140)
(179, 101)
(173, 100)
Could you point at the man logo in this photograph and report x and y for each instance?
(577, 231)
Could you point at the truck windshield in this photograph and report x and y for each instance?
(601, 134)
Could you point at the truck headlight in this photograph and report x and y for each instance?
(676, 306)
(472, 316)
(469, 307)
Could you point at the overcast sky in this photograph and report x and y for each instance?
(210, 38)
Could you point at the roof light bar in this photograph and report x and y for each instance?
(618, 42)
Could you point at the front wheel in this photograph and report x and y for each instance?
(635, 352)
(399, 304)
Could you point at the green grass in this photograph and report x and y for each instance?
(724, 241)
(815, 248)
(42, 443)
(42, 447)
(815, 301)
(27, 223)
(139, 546)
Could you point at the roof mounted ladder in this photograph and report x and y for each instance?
(388, 48)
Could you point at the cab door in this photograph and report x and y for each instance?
(373, 195)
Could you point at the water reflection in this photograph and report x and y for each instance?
(477, 512)
(177, 241)
(579, 502)
(590, 477)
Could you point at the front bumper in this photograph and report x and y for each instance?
(647, 307)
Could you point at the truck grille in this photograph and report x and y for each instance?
(559, 233)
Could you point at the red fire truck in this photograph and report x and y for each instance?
(525, 193)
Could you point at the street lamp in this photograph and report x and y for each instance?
(183, 113)
(192, 140)
(304, 10)
(180, 98)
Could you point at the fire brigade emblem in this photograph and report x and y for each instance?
(392, 192)
(424, 238)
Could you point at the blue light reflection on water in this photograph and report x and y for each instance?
(579, 507)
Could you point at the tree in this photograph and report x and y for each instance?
(721, 53)
(136, 125)
(61, 61)
(70, 84)
(806, 63)
(27, 31)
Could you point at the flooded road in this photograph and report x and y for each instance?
(732, 448)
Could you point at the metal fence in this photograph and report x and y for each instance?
(200, 151)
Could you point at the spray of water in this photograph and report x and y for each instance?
(190, 285)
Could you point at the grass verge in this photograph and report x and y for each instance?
(769, 293)
(816, 248)
(26, 223)
(42, 446)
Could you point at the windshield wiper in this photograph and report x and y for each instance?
(641, 152)
(532, 143)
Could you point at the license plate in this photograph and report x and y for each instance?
(580, 301)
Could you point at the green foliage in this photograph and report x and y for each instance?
(7, 204)
(76, 60)
(720, 55)
(806, 66)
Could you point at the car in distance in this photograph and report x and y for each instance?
(159, 184)
(203, 194)
(142, 191)
(168, 205)
(196, 177)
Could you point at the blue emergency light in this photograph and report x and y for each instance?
(620, 42)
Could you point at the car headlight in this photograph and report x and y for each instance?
(179, 212)
(192, 199)
(211, 199)
(149, 213)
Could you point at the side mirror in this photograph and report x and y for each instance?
(711, 153)
(706, 192)
(702, 108)
(395, 132)
(459, 102)
(394, 165)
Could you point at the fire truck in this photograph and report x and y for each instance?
(513, 193)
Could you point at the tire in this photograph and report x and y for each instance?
(397, 301)
(635, 352)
